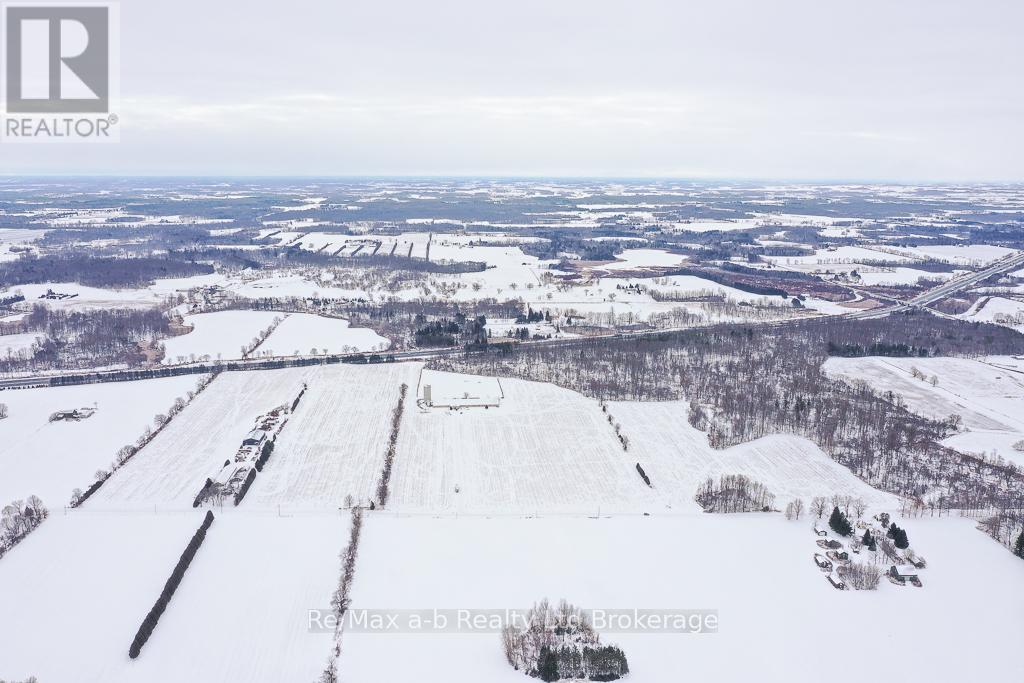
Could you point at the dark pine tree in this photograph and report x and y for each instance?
(1018, 548)
(869, 540)
(898, 536)
(839, 523)
(547, 665)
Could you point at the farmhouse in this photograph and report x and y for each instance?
(899, 576)
(72, 415)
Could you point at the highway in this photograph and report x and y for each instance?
(953, 286)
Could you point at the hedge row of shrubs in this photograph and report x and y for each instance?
(383, 487)
(149, 623)
(249, 479)
(296, 401)
(268, 449)
(643, 475)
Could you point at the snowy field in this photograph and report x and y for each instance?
(334, 443)
(640, 259)
(544, 449)
(899, 276)
(998, 310)
(171, 469)
(217, 335)
(241, 614)
(838, 256)
(547, 449)
(50, 459)
(988, 394)
(963, 254)
(75, 591)
(301, 332)
(779, 618)
(13, 344)
(677, 459)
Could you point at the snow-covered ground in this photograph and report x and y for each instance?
(999, 310)
(218, 335)
(836, 258)
(13, 344)
(171, 469)
(334, 443)
(75, 591)
(241, 614)
(779, 619)
(82, 584)
(543, 449)
(639, 259)
(963, 254)
(899, 276)
(677, 459)
(547, 449)
(301, 332)
(987, 393)
(50, 459)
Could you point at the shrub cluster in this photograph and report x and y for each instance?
(18, 519)
(734, 493)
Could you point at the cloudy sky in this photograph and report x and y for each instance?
(788, 89)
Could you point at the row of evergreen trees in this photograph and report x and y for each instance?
(149, 623)
(598, 663)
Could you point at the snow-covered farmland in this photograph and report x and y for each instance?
(898, 276)
(217, 335)
(302, 332)
(964, 254)
(50, 459)
(543, 449)
(677, 459)
(987, 393)
(640, 259)
(15, 344)
(241, 614)
(846, 256)
(774, 606)
(171, 469)
(999, 310)
(334, 443)
(75, 591)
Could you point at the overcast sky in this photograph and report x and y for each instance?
(788, 89)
